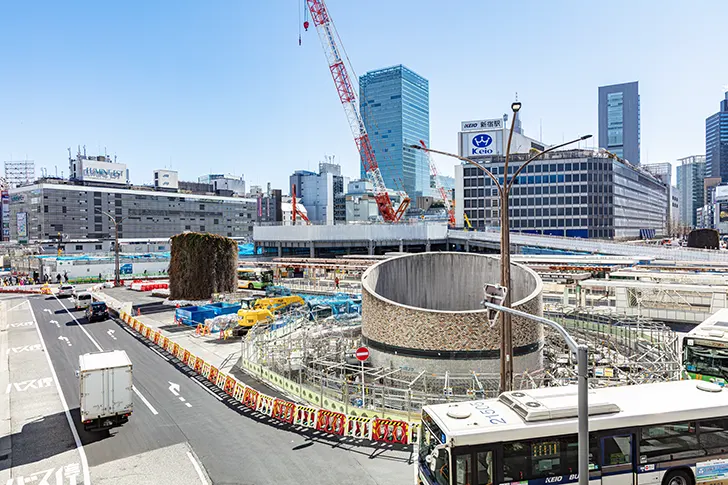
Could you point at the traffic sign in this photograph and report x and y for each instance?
(362, 353)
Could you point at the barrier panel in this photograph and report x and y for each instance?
(414, 434)
(175, 348)
(250, 397)
(238, 392)
(212, 376)
(265, 405)
(228, 385)
(358, 427)
(205, 370)
(185, 355)
(330, 422)
(165, 343)
(156, 337)
(147, 332)
(198, 365)
(390, 431)
(284, 411)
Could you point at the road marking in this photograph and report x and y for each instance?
(16, 306)
(54, 321)
(30, 384)
(25, 348)
(66, 339)
(48, 310)
(158, 353)
(197, 468)
(173, 388)
(206, 389)
(79, 446)
(22, 324)
(188, 405)
(44, 477)
(110, 333)
(144, 400)
(96, 344)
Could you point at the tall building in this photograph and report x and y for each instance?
(663, 172)
(19, 172)
(619, 120)
(395, 106)
(224, 183)
(322, 192)
(716, 143)
(577, 193)
(690, 175)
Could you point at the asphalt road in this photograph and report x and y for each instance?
(233, 444)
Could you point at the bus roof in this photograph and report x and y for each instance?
(511, 416)
(714, 327)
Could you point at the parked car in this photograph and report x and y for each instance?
(65, 291)
(97, 311)
(82, 300)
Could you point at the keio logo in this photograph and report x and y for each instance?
(481, 144)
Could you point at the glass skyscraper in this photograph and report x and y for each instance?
(395, 106)
(690, 175)
(716, 143)
(619, 120)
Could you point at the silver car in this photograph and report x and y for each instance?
(65, 291)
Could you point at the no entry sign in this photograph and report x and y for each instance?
(362, 353)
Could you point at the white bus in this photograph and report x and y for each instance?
(705, 349)
(671, 433)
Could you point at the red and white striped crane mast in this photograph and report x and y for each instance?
(344, 87)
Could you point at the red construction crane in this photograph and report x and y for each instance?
(295, 211)
(433, 171)
(345, 89)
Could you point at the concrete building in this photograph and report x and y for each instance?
(322, 192)
(690, 175)
(19, 172)
(225, 183)
(287, 213)
(42, 210)
(716, 143)
(483, 138)
(577, 193)
(395, 106)
(166, 180)
(96, 170)
(619, 120)
(663, 172)
(360, 203)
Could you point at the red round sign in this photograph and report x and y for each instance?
(362, 353)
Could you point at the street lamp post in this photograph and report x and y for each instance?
(504, 189)
(116, 222)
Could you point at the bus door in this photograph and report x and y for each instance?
(473, 466)
(617, 458)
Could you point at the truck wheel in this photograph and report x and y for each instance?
(250, 286)
(678, 477)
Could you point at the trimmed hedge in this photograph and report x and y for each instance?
(202, 264)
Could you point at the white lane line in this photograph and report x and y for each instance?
(16, 306)
(205, 388)
(96, 344)
(144, 400)
(159, 353)
(79, 446)
(197, 468)
(188, 405)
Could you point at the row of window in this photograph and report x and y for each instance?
(541, 168)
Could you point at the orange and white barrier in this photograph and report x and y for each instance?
(265, 404)
(250, 398)
(330, 422)
(284, 411)
(390, 431)
(359, 427)
(305, 416)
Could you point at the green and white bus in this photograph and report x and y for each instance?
(254, 278)
(705, 349)
(670, 433)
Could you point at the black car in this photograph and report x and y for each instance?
(97, 311)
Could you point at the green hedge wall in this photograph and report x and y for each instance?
(202, 264)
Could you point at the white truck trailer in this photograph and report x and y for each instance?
(105, 389)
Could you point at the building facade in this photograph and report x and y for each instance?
(663, 172)
(226, 183)
(483, 138)
(19, 172)
(395, 107)
(716, 143)
(690, 175)
(573, 193)
(619, 120)
(44, 209)
(322, 192)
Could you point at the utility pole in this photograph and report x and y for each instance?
(116, 222)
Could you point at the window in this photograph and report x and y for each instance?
(617, 450)
(463, 468)
(527, 460)
(484, 468)
(669, 442)
(98, 247)
(79, 247)
(714, 435)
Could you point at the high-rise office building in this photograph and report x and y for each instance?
(690, 175)
(716, 143)
(395, 106)
(619, 120)
(322, 192)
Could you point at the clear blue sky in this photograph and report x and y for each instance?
(224, 85)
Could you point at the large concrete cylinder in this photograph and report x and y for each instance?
(423, 311)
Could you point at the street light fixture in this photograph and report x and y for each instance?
(116, 222)
(504, 189)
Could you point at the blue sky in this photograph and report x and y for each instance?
(224, 85)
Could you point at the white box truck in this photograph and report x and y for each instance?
(105, 389)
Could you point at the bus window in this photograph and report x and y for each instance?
(669, 442)
(546, 458)
(515, 461)
(714, 435)
(484, 468)
(462, 469)
(617, 450)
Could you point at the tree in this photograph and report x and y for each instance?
(202, 264)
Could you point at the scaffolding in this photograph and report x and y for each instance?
(318, 354)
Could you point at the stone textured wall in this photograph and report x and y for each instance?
(389, 288)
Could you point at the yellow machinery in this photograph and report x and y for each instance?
(467, 221)
(263, 310)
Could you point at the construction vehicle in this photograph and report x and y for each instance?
(335, 56)
(440, 189)
(467, 221)
(254, 311)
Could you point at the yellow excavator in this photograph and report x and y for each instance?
(255, 311)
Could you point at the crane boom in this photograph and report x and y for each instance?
(347, 95)
(445, 199)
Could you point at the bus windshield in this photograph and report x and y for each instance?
(708, 361)
(430, 437)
